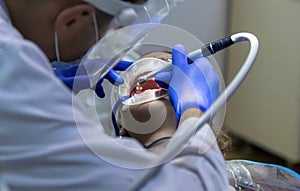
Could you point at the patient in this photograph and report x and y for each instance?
(151, 118)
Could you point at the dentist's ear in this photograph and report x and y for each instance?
(76, 30)
(75, 16)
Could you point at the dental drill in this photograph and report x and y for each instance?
(187, 133)
(204, 51)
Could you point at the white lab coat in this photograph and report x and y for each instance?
(41, 148)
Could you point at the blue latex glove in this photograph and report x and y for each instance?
(193, 85)
(78, 74)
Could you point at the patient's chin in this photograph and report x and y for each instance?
(142, 112)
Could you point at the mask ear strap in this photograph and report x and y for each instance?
(56, 46)
(96, 27)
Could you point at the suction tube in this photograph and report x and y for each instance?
(187, 133)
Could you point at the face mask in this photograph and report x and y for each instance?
(65, 65)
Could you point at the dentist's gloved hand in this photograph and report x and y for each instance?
(78, 74)
(193, 85)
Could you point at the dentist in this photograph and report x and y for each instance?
(40, 145)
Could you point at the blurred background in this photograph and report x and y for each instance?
(263, 116)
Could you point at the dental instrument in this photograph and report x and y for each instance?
(186, 133)
(204, 51)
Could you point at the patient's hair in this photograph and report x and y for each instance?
(223, 139)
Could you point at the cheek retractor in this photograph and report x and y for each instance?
(141, 93)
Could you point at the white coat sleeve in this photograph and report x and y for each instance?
(42, 148)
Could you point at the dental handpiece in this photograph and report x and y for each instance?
(206, 50)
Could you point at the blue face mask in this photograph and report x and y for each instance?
(65, 65)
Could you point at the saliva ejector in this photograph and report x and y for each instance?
(204, 51)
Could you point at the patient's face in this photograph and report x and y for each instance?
(152, 117)
(148, 117)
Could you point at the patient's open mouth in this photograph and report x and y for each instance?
(149, 85)
(146, 92)
(142, 93)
